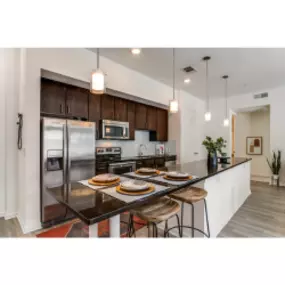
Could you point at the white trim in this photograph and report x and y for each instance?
(261, 178)
(2, 214)
(10, 216)
(27, 230)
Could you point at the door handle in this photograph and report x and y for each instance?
(67, 109)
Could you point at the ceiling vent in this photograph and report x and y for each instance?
(188, 69)
(260, 96)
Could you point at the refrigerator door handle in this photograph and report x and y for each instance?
(67, 159)
(64, 159)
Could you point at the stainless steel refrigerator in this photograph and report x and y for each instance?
(67, 155)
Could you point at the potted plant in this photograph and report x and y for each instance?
(275, 164)
(213, 147)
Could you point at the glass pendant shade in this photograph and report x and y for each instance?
(208, 116)
(97, 82)
(226, 122)
(173, 106)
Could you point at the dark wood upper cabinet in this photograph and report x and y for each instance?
(121, 109)
(95, 109)
(131, 118)
(77, 102)
(141, 117)
(52, 97)
(107, 107)
(151, 118)
(162, 125)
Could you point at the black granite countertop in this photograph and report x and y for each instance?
(167, 157)
(93, 206)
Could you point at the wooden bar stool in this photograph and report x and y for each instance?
(160, 210)
(190, 196)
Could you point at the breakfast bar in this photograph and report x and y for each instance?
(228, 186)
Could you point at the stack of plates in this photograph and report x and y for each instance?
(179, 176)
(146, 171)
(104, 179)
(135, 187)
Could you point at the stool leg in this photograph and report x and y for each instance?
(148, 229)
(192, 219)
(166, 228)
(207, 217)
(130, 226)
(182, 216)
(155, 234)
(179, 227)
(133, 230)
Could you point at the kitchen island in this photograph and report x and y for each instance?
(228, 186)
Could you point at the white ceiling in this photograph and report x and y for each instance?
(249, 69)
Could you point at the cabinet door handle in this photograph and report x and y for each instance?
(61, 109)
(67, 109)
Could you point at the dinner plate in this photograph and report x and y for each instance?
(107, 177)
(177, 174)
(146, 170)
(134, 185)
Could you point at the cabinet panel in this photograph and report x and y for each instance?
(151, 118)
(141, 112)
(121, 109)
(162, 125)
(131, 118)
(77, 102)
(107, 107)
(95, 110)
(52, 97)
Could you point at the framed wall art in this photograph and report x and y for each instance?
(254, 145)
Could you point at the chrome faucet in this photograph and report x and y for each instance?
(140, 150)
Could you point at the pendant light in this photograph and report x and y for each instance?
(208, 113)
(226, 120)
(173, 104)
(97, 85)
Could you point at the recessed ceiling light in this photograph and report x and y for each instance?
(187, 80)
(136, 51)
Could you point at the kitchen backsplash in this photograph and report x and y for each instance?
(131, 148)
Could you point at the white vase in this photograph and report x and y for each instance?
(275, 176)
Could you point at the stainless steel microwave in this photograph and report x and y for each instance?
(114, 130)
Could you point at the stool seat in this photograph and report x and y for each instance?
(189, 195)
(157, 211)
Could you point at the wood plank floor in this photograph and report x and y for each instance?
(262, 215)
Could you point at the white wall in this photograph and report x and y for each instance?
(78, 63)
(192, 130)
(2, 134)
(260, 126)
(243, 130)
(275, 100)
(9, 61)
(254, 124)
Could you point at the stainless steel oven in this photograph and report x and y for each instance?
(122, 167)
(114, 130)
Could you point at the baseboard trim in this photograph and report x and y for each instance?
(27, 230)
(10, 216)
(2, 214)
(260, 178)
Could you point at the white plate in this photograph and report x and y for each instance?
(109, 177)
(134, 185)
(177, 174)
(146, 170)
